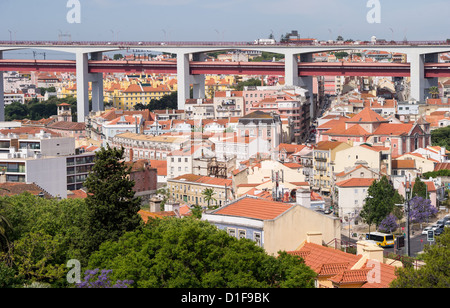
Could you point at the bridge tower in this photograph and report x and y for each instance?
(292, 77)
(83, 79)
(420, 84)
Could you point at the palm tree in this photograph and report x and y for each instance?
(434, 91)
(4, 226)
(208, 194)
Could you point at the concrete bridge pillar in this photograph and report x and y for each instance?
(82, 86)
(183, 79)
(291, 69)
(420, 84)
(307, 83)
(2, 94)
(97, 85)
(198, 81)
(292, 76)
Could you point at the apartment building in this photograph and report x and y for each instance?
(228, 104)
(260, 124)
(324, 156)
(294, 111)
(180, 162)
(78, 168)
(139, 146)
(197, 109)
(189, 188)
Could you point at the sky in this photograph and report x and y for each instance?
(222, 20)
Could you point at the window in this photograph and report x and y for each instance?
(231, 232)
(257, 238)
(242, 234)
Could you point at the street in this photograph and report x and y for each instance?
(418, 241)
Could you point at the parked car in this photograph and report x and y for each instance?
(434, 227)
(425, 230)
(447, 224)
(439, 231)
(440, 222)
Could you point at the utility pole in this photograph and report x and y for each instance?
(407, 210)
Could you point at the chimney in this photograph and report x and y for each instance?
(131, 154)
(155, 205)
(314, 237)
(369, 250)
(303, 197)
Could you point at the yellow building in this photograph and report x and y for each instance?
(189, 188)
(324, 155)
(138, 94)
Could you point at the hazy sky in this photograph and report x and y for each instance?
(227, 20)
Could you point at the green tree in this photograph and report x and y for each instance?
(419, 189)
(434, 91)
(37, 257)
(441, 137)
(15, 111)
(4, 226)
(112, 208)
(251, 82)
(436, 271)
(380, 201)
(208, 195)
(190, 253)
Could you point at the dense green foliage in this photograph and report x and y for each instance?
(419, 189)
(248, 83)
(112, 208)
(169, 101)
(34, 110)
(441, 137)
(189, 253)
(44, 235)
(380, 201)
(436, 271)
(435, 174)
(105, 232)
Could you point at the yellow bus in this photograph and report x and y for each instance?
(381, 239)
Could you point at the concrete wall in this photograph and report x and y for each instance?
(48, 173)
(288, 231)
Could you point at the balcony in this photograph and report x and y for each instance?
(321, 159)
(321, 168)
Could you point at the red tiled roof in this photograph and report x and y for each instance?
(403, 164)
(254, 208)
(442, 166)
(367, 115)
(394, 129)
(317, 255)
(356, 182)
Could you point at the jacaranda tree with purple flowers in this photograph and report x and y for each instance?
(421, 209)
(100, 280)
(388, 225)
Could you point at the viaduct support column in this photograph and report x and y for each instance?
(307, 82)
(82, 86)
(417, 62)
(183, 79)
(291, 69)
(2, 94)
(97, 85)
(198, 81)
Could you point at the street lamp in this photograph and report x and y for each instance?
(407, 211)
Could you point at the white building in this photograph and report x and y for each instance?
(123, 124)
(351, 194)
(261, 125)
(49, 173)
(179, 162)
(240, 147)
